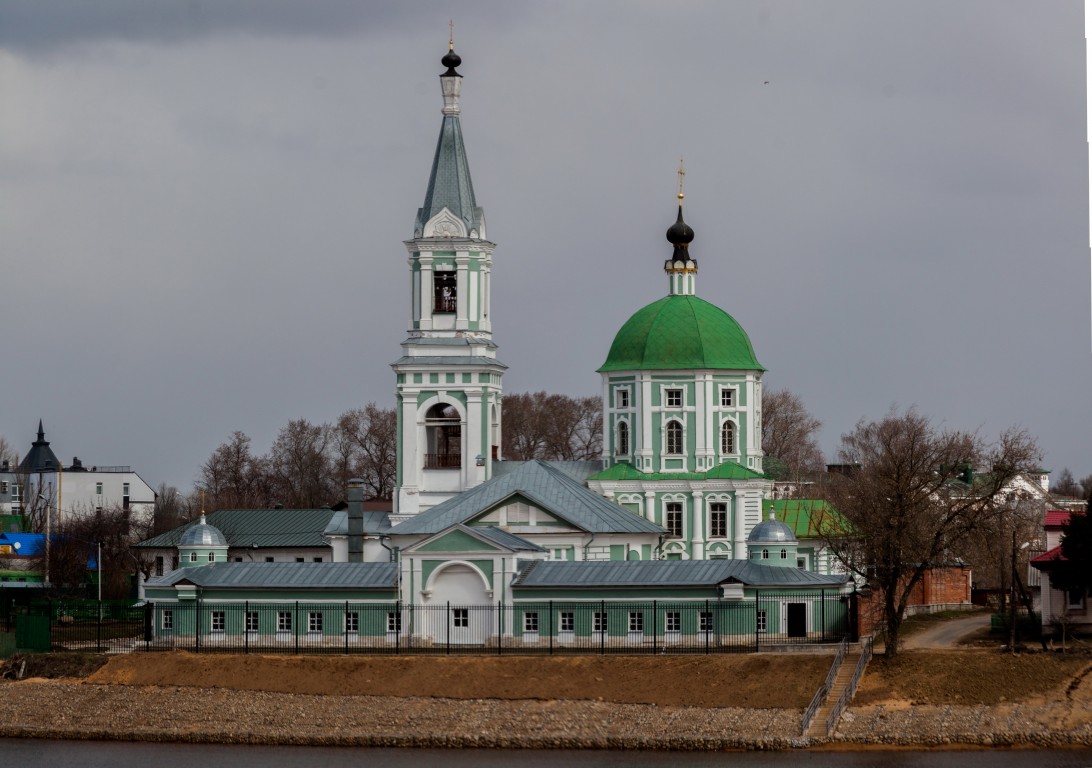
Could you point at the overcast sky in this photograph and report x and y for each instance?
(202, 205)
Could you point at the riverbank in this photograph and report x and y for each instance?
(138, 698)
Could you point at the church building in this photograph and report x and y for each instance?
(664, 538)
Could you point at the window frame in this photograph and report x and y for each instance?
(673, 621)
(251, 621)
(284, 621)
(621, 440)
(674, 438)
(728, 446)
(566, 621)
(760, 620)
(530, 622)
(673, 519)
(674, 397)
(460, 618)
(166, 620)
(717, 509)
(217, 621)
(621, 398)
(728, 397)
(636, 622)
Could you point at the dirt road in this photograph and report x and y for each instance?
(946, 634)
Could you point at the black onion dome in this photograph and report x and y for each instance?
(679, 235)
(680, 232)
(451, 60)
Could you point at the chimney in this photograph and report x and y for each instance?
(355, 497)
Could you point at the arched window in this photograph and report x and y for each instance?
(622, 445)
(212, 557)
(674, 434)
(444, 434)
(784, 554)
(193, 557)
(728, 438)
(765, 554)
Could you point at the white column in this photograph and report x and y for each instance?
(425, 260)
(739, 544)
(475, 422)
(462, 290)
(697, 539)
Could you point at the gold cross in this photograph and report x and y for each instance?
(682, 173)
(451, 34)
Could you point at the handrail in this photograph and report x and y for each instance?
(824, 690)
(851, 688)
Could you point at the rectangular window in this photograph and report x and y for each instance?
(314, 621)
(3, 486)
(599, 621)
(269, 559)
(673, 398)
(166, 619)
(284, 621)
(530, 621)
(1075, 599)
(760, 620)
(705, 621)
(673, 519)
(98, 489)
(673, 621)
(621, 397)
(718, 520)
(801, 562)
(352, 622)
(299, 559)
(727, 398)
(218, 621)
(159, 565)
(636, 621)
(567, 622)
(124, 489)
(251, 621)
(443, 284)
(394, 621)
(318, 559)
(460, 617)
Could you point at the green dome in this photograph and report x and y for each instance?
(681, 332)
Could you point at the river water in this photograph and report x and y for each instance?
(31, 753)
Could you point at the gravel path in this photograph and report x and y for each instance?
(64, 709)
(947, 634)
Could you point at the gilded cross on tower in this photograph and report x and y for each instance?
(451, 34)
(682, 173)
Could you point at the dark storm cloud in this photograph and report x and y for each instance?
(46, 25)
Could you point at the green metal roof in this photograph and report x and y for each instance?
(542, 485)
(382, 576)
(681, 332)
(667, 573)
(258, 527)
(808, 518)
(729, 470)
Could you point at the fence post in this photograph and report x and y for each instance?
(149, 618)
(551, 627)
(296, 628)
(823, 612)
(605, 628)
(197, 625)
(447, 632)
(709, 629)
(757, 594)
(655, 637)
(499, 610)
(98, 638)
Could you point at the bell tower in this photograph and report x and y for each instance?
(448, 378)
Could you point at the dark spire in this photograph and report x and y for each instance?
(451, 59)
(680, 234)
(40, 457)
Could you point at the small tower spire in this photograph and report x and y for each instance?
(681, 268)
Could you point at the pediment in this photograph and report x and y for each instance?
(445, 224)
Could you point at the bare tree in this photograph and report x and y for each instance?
(300, 466)
(905, 506)
(1066, 485)
(789, 436)
(540, 425)
(233, 477)
(366, 441)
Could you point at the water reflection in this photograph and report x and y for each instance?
(30, 753)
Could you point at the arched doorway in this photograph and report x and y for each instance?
(460, 609)
(443, 435)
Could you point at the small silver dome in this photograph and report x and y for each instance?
(772, 530)
(202, 535)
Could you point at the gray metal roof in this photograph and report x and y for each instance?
(449, 183)
(667, 573)
(374, 523)
(258, 528)
(285, 576)
(40, 456)
(202, 535)
(542, 485)
(505, 539)
(577, 470)
(450, 360)
(445, 341)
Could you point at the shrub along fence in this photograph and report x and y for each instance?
(527, 627)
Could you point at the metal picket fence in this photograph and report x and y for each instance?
(527, 627)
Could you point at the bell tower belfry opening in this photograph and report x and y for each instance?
(448, 378)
